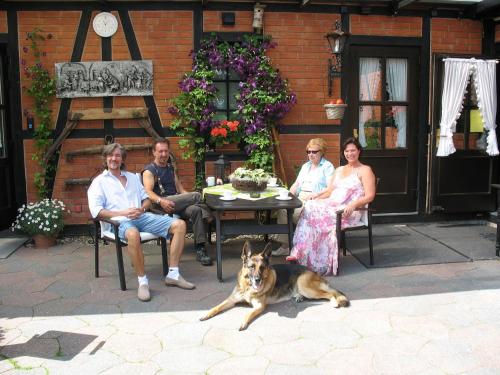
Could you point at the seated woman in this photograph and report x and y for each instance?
(352, 186)
(313, 178)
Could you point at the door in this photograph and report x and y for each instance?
(7, 200)
(383, 116)
(461, 182)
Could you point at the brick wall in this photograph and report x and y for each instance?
(3, 22)
(385, 25)
(456, 36)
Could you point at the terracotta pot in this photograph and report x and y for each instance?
(44, 242)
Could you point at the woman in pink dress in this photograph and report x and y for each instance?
(351, 186)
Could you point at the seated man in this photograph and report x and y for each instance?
(167, 193)
(118, 194)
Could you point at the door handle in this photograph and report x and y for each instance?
(355, 133)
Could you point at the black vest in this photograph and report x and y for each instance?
(164, 176)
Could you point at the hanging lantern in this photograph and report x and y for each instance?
(222, 169)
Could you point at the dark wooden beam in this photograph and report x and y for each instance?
(403, 3)
(488, 6)
(304, 3)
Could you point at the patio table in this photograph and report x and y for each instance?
(237, 227)
(497, 186)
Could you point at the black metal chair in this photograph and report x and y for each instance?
(340, 232)
(112, 236)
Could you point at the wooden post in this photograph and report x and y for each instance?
(278, 153)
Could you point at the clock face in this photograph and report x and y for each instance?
(105, 24)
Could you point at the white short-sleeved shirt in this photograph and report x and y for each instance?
(107, 192)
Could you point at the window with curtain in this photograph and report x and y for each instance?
(3, 146)
(383, 102)
(470, 133)
(227, 83)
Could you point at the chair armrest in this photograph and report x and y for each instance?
(109, 221)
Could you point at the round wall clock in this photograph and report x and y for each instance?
(105, 24)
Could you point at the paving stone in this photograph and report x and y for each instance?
(30, 350)
(369, 323)
(451, 358)
(243, 365)
(298, 352)
(347, 361)
(83, 363)
(196, 359)
(143, 323)
(181, 335)
(424, 326)
(59, 306)
(97, 314)
(28, 299)
(232, 341)
(133, 348)
(52, 326)
(337, 334)
(147, 368)
(275, 369)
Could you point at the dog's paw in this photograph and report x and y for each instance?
(334, 303)
(204, 318)
(243, 327)
(298, 298)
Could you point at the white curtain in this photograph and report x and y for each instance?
(369, 84)
(486, 90)
(456, 75)
(397, 81)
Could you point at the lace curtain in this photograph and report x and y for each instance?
(397, 75)
(369, 86)
(456, 76)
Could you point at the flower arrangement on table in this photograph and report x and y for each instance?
(45, 217)
(249, 179)
(225, 132)
(263, 100)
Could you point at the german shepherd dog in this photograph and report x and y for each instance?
(259, 284)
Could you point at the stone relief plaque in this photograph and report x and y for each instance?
(104, 78)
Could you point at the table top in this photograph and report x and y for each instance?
(496, 186)
(215, 203)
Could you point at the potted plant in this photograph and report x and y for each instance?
(249, 180)
(42, 220)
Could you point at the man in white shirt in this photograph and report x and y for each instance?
(119, 195)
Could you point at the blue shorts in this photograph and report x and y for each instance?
(148, 222)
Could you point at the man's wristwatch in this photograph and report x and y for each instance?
(158, 201)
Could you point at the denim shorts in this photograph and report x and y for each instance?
(148, 222)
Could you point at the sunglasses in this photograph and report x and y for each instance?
(312, 152)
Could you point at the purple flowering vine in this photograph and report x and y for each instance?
(264, 97)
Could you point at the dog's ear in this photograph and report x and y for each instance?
(266, 253)
(246, 252)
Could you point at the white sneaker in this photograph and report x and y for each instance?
(281, 251)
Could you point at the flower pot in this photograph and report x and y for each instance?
(44, 242)
(335, 111)
(248, 186)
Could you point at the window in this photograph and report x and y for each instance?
(227, 83)
(383, 108)
(470, 133)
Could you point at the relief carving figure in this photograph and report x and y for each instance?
(104, 78)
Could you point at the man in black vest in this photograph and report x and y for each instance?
(167, 193)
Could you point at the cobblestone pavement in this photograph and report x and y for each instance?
(56, 318)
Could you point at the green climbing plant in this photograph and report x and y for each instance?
(42, 88)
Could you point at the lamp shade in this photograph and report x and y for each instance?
(222, 168)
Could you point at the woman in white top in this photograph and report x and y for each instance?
(313, 178)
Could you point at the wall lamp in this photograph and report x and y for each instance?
(336, 40)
